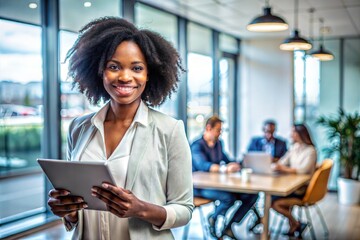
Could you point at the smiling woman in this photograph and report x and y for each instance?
(130, 69)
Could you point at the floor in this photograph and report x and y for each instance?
(343, 222)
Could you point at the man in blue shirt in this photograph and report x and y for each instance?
(269, 143)
(208, 156)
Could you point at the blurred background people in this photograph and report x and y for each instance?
(300, 159)
(269, 142)
(208, 156)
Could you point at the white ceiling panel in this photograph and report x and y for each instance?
(230, 16)
(354, 14)
(343, 16)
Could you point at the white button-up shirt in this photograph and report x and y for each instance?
(103, 224)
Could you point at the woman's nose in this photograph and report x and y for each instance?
(124, 75)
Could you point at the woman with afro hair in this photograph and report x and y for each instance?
(146, 151)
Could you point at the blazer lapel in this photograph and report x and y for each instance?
(85, 136)
(139, 147)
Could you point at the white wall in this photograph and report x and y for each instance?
(266, 87)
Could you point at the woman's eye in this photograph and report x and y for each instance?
(138, 68)
(113, 67)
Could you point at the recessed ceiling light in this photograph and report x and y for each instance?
(87, 4)
(33, 5)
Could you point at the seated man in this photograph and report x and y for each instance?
(269, 143)
(272, 145)
(208, 156)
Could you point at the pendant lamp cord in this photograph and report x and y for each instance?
(267, 3)
(296, 14)
(321, 20)
(311, 28)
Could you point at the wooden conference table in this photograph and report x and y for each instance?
(280, 185)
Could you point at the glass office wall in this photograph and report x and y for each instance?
(351, 78)
(227, 84)
(72, 102)
(306, 87)
(330, 95)
(21, 112)
(337, 86)
(200, 79)
(299, 86)
(22, 84)
(226, 80)
(166, 25)
(22, 190)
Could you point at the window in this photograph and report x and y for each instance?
(227, 87)
(21, 121)
(166, 25)
(226, 101)
(200, 79)
(351, 75)
(306, 87)
(22, 188)
(73, 103)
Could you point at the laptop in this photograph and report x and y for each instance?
(259, 162)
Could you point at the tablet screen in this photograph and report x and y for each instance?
(78, 178)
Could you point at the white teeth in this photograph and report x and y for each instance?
(125, 89)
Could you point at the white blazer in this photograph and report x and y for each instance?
(159, 169)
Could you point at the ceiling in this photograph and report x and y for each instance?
(232, 16)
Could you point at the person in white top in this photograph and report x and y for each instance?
(300, 159)
(147, 151)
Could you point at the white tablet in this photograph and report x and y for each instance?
(78, 178)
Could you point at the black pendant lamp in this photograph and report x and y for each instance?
(295, 42)
(321, 53)
(267, 22)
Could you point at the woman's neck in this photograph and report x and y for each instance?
(121, 112)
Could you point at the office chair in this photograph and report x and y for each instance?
(315, 191)
(255, 225)
(198, 202)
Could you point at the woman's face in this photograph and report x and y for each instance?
(125, 75)
(295, 136)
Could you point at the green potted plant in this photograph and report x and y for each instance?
(343, 132)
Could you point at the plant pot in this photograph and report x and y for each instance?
(348, 191)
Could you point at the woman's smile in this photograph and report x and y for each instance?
(124, 91)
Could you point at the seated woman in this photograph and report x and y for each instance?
(300, 159)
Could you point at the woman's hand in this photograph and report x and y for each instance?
(282, 168)
(276, 166)
(62, 204)
(121, 202)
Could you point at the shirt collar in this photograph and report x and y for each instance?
(265, 141)
(141, 115)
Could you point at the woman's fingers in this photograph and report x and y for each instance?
(108, 197)
(68, 207)
(66, 200)
(119, 201)
(62, 210)
(54, 193)
(61, 203)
